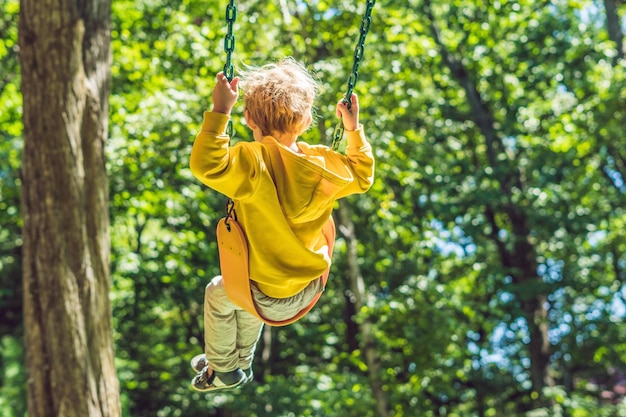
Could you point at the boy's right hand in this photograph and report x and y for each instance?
(225, 94)
(350, 117)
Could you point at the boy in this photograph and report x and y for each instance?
(284, 191)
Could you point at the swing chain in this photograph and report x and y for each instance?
(231, 214)
(229, 40)
(229, 48)
(359, 51)
(229, 72)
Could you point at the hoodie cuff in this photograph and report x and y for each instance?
(356, 138)
(214, 123)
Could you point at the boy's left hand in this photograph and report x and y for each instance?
(225, 94)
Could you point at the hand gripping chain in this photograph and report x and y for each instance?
(359, 51)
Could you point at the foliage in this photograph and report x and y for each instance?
(497, 132)
(12, 390)
(10, 154)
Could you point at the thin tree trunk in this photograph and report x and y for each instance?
(352, 328)
(65, 67)
(615, 148)
(614, 27)
(357, 287)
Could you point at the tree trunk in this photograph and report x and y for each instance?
(357, 287)
(614, 27)
(65, 67)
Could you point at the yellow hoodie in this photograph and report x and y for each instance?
(282, 198)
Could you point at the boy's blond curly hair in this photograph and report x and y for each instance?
(279, 96)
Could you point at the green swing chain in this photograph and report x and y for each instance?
(229, 48)
(359, 51)
(229, 72)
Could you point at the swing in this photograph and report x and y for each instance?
(231, 240)
(233, 253)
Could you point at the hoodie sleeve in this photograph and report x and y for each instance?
(232, 171)
(360, 161)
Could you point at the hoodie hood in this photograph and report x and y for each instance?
(310, 187)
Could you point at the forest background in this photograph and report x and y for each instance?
(482, 275)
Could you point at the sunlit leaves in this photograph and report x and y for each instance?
(450, 332)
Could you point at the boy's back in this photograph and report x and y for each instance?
(283, 192)
(282, 198)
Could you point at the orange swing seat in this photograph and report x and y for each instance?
(234, 263)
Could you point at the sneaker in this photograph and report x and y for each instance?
(199, 362)
(249, 375)
(210, 380)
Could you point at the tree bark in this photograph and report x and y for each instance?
(65, 68)
(357, 288)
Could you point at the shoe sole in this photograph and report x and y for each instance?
(214, 388)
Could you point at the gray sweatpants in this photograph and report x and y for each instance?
(231, 334)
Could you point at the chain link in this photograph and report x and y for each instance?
(359, 51)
